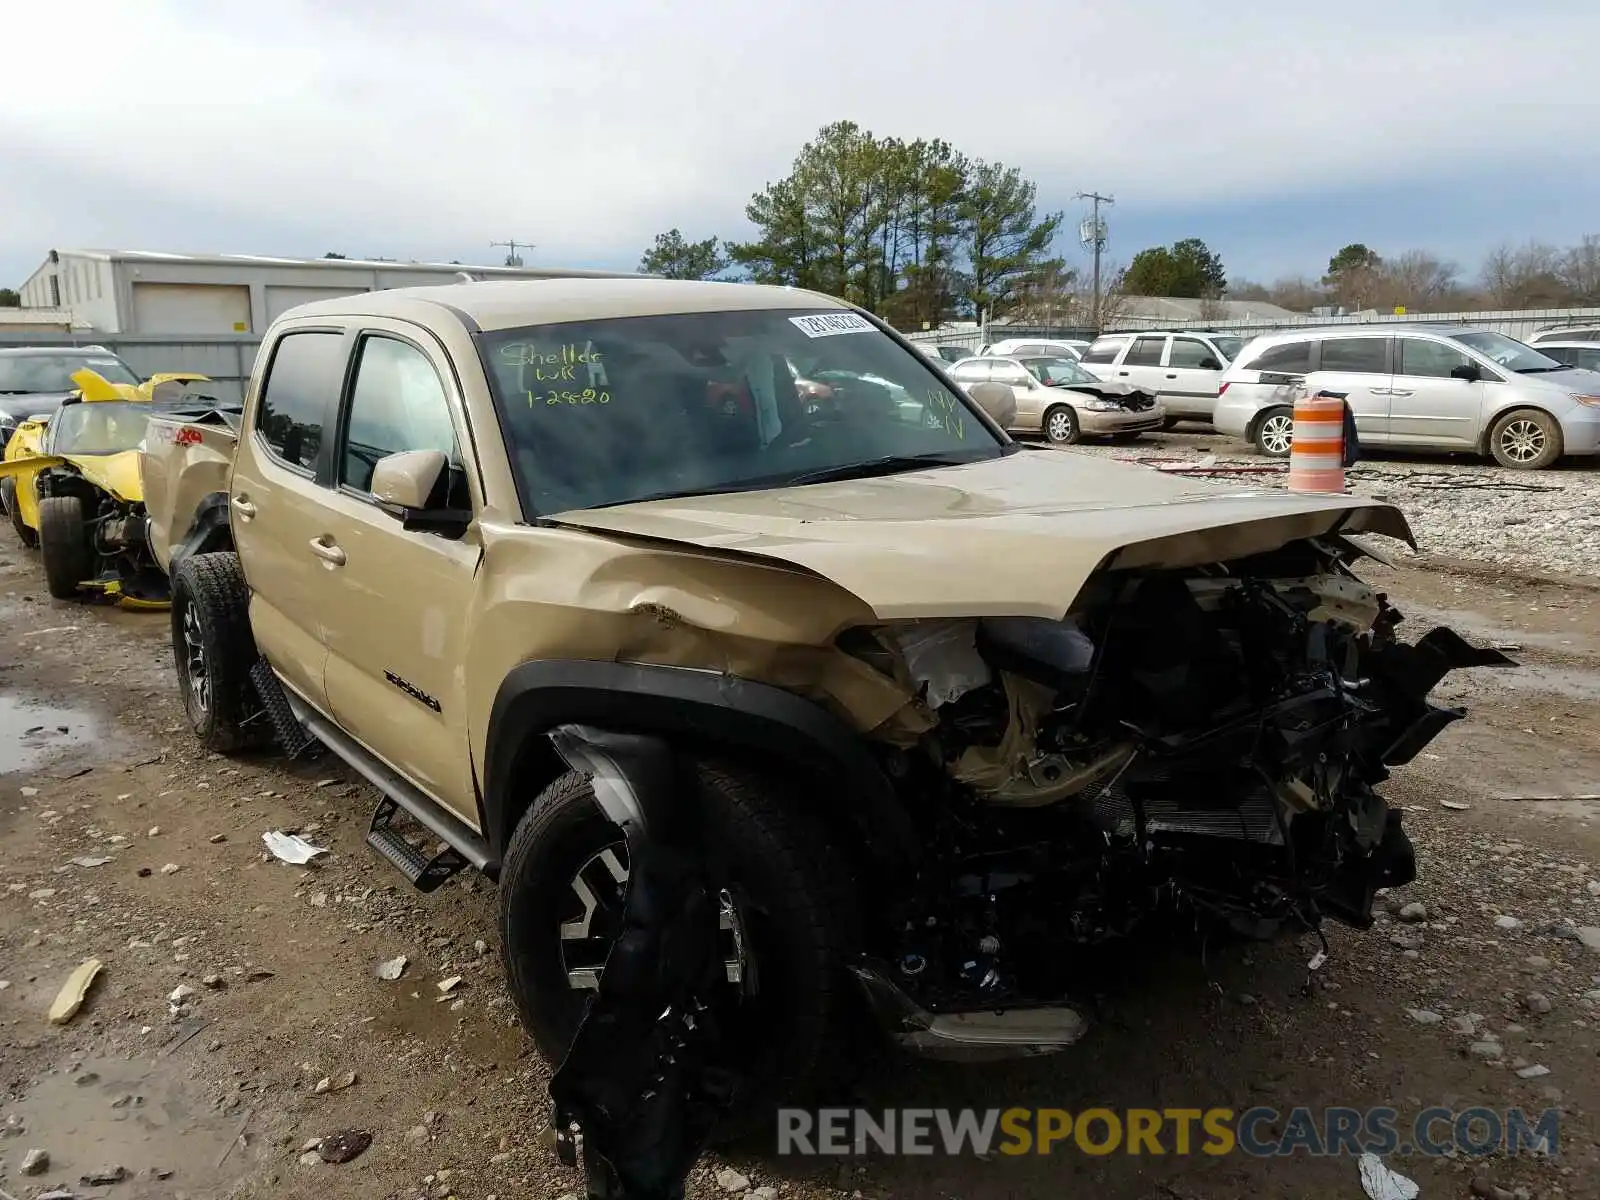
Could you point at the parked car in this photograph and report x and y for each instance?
(1419, 388)
(1565, 333)
(944, 353)
(856, 715)
(1058, 398)
(1182, 368)
(1072, 348)
(34, 380)
(1573, 353)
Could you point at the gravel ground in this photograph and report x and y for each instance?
(1459, 507)
(239, 1017)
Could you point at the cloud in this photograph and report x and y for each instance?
(413, 128)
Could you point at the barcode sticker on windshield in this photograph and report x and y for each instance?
(828, 324)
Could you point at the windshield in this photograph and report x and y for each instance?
(1230, 346)
(608, 411)
(21, 374)
(1508, 352)
(98, 427)
(1057, 371)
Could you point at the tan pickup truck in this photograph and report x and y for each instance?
(952, 710)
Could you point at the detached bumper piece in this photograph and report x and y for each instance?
(641, 1087)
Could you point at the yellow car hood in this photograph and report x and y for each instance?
(114, 473)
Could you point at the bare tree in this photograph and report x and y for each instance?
(1417, 280)
(1298, 294)
(1049, 297)
(1580, 270)
(1113, 298)
(1527, 276)
(1212, 307)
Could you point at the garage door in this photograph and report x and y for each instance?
(281, 299)
(191, 308)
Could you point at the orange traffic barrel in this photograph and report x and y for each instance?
(1316, 455)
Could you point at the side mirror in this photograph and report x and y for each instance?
(996, 399)
(1466, 371)
(1210, 364)
(405, 485)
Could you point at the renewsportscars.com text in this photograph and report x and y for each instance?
(1258, 1132)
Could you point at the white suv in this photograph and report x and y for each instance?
(1183, 368)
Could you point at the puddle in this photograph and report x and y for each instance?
(31, 733)
(129, 1114)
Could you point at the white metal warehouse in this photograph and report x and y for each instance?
(152, 293)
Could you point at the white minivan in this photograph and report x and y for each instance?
(1417, 388)
(1183, 369)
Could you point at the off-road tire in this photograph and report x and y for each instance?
(797, 902)
(1537, 427)
(211, 600)
(8, 496)
(64, 546)
(1060, 425)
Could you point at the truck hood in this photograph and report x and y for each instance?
(1018, 535)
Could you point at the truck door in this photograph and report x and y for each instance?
(397, 633)
(278, 503)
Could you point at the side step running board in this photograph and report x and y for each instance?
(432, 816)
(291, 734)
(425, 873)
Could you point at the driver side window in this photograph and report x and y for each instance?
(397, 404)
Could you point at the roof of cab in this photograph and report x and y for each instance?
(508, 304)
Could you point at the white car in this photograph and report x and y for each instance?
(1183, 368)
(1072, 348)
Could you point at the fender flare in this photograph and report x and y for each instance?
(210, 520)
(678, 704)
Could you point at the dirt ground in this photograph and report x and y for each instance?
(125, 843)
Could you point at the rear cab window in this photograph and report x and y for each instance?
(304, 376)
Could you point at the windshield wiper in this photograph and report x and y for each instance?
(889, 464)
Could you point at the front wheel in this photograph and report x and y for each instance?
(8, 496)
(212, 650)
(64, 546)
(1526, 440)
(787, 933)
(1061, 425)
(1275, 432)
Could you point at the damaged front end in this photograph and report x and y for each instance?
(1201, 743)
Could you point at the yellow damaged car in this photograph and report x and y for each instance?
(72, 487)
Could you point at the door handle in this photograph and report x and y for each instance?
(1395, 392)
(243, 507)
(1121, 372)
(324, 549)
(1171, 376)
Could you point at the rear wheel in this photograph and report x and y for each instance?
(8, 496)
(562, 891)
(212, 649)
(1061, 425)
(1274, 432)
(1526, 439)
(64, 545)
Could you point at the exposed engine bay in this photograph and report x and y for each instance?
(1195, 744)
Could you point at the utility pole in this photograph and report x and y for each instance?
(1093, 235)
(513, 259)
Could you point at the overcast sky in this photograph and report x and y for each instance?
(427, 130)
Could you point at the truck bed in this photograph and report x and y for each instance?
(187, 455)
